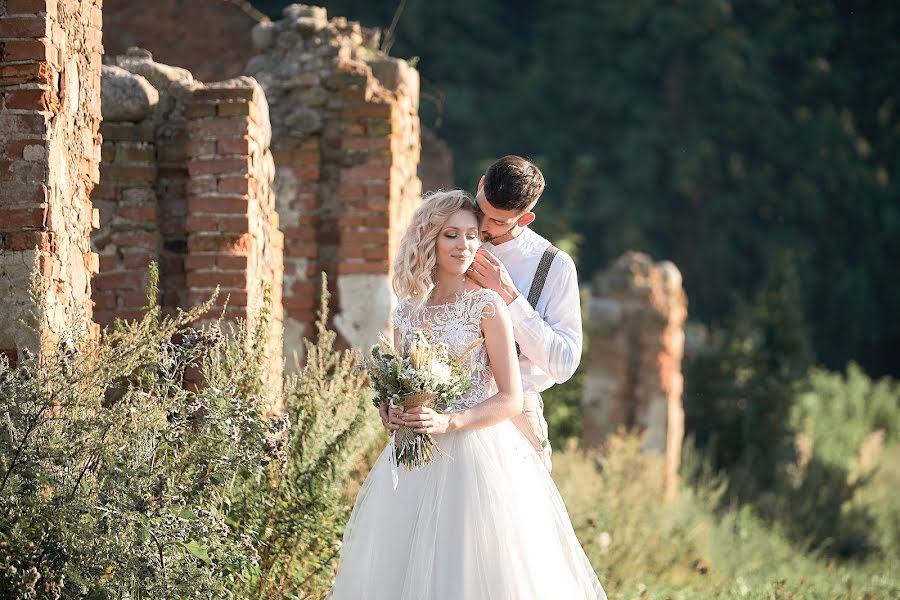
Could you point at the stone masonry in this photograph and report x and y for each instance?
(345, 142)
(187, 34)
(233, 240)
(346, 145)
(209, 38)
(188, 178)
(633, 377)
(186, 182)
(50, 55)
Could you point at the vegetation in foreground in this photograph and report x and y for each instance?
(120, 478)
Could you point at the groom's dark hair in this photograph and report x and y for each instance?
(513, 183)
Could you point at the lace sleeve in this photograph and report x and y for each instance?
(485, 305)
(395, 315)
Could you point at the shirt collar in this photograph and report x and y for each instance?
(513, 246)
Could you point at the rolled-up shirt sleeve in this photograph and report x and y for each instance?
(552, 343)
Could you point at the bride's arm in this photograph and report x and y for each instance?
(505, 404)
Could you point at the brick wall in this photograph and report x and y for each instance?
(346, 140)
(210, 38)
(187, 183)
(233, 238)
(633, 377)
(50, 54)
(129, 237)
(142, 196)
(346, 146)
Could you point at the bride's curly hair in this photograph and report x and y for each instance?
(415, 262)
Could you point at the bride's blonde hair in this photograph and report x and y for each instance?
(415, 262)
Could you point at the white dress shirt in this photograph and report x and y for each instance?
(549, 336)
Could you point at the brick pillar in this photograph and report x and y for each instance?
(378, 190)
(346, 147)
(232, 227)
(633, 372)
(50, 54)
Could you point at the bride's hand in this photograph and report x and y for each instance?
(425, 420)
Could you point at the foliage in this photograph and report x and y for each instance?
(562, 409)
(143, 465)
(840, 411)
(835, 498)
(296, 514)
(696, 548)
(819, 484)
(739, 392)
(113, 471)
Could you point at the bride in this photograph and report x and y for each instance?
(484, 521)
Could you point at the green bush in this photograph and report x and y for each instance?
(740, 390)
(839, 411)
(297, 514)
(120, 478)
(113, 472)
(835, 497)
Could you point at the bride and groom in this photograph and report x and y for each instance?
(484, 521)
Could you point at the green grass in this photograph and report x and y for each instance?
(693, 548)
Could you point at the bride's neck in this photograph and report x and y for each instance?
(447, 285)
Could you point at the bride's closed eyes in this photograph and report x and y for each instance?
(452, 233)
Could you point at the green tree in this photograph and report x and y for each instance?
(741, 391)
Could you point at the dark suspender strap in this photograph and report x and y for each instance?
(540, 278)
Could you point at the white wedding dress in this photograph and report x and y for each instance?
(484, 521)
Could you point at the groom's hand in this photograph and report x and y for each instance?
(488, 272)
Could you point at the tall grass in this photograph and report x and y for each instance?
(695, 548)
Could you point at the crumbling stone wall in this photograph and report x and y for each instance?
(126, 198)
(209, 38)
(50, 54)
(633, 371)
(142, 197)
(346, 145)
(346, 140)
(186, 181)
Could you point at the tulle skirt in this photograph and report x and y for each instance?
(484, 521)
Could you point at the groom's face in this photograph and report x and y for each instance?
(498, 225)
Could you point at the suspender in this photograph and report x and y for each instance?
(540, 278)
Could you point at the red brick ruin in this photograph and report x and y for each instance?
(50, 56)
(633, 375)
(255, 184)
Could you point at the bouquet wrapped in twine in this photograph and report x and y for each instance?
(422, 374)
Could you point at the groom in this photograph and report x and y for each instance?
(538, 282)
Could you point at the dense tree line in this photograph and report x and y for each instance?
(718, 134)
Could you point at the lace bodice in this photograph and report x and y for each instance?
(457, 324)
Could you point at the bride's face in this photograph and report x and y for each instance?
(456, 243)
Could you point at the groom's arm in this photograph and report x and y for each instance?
(553, 343)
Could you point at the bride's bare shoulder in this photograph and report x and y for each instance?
(471, 287)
